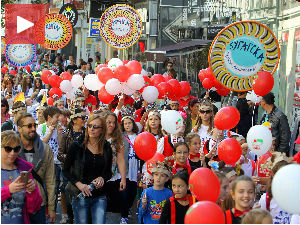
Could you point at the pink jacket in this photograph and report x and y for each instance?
(33, 200)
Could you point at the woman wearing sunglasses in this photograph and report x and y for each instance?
(17, 199)
(87, 168)
(74, 132)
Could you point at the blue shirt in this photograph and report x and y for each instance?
(156, 200)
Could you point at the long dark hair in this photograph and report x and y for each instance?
(4, 102)
(34, 84)
(135, 128)
(25, 85)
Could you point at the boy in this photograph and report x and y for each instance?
(154, 198)
(48, 133)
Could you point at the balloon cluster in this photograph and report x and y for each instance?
(209, 81)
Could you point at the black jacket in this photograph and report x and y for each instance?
(280, 129)
(7, 125)
(75, 161)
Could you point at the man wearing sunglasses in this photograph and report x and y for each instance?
(18, 108)
(40, 155)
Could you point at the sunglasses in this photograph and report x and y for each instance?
(16, 149)
(94, 126)
(29, 126)
(205, 111)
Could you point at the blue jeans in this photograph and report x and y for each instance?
(83, 208)
(57, 174)
(39, 217)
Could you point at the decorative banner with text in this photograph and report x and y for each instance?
(241, 50)
(120, 26)
(70, 12)
(58, 31)
(20, 54)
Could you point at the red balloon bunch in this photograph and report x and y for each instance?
(45, 75)
(104, 96)
(134, 67)
(227, 118)
(264, 83)
(122, 73)
(55, 91)
(198, 183)
(66, 76)
(145, 146)
(104, 74)
(229, 151)
(54, 81)
(4, 69)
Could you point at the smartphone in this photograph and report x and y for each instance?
(24, 177)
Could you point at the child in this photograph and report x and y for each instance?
(243, 194)
(267, 201)
(63, 118)
(154, 198)
(248, 165)
(177, 206)
(48, 133)
(224, 188)
(180, 155)
(153, 124)
(258, 216)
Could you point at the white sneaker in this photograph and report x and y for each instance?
(124, 221)
(64, 219)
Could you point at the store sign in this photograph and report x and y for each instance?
(94, 26)
(212, 31)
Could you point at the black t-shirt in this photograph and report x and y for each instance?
(180, 213)
(235, 220)
(195, 165)
(94, 164)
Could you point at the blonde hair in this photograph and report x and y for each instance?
(101, 139)
(147, 127)
(256, 216)
(189, 137)
(9, 137)
(199, 120)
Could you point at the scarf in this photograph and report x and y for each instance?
(189, 197)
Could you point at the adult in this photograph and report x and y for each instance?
(97, 61)
(27, 86)
(72, 65)
(245, 114)
(192, 115)
(279, 124)
(169, 67)
(90, 100)
(4, 110)
(40, 155)
(89, 162)
(17, 110)
(17, 198)
(82, 70)
(89, 68)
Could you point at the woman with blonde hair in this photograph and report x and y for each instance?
(87, 168)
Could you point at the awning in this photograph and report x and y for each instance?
(178, 47)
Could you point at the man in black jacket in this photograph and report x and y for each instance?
(279, 124)
(18, 108)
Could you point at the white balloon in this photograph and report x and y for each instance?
(259, 139)
(113, 86)
(77, 81)
(92, 82)
(150, 94)
(114, 63)
(71, 95)
(126, 90)
(136, 82)
(171, 121)
(144, 72)
(286, 188)
(251, 96)
(65, 86)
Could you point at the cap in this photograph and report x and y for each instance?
(162, 167)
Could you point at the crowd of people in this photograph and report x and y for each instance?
(80, 154)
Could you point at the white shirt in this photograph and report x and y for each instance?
(204, 135)
(161, 142)
(132, 160)
(279, 216)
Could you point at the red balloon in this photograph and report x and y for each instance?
(223, 91)
(54, 81)
(204, 185)
(216, 84)
(157, 79)
(105, 74)
(134, 67)
(157, 157)
(264, 83)
(55, 91)
(176, 88)
(185, 88)
(45, 75)
(209, 73)
(201, 75)
(145, 146)
(27, 68)
(122, 72)
(13, 72)
(227, 118)
(207, 83)
(125, 62)
(204, 212)
(229, 151)
(164, 90)
(167, 78)
(50, 101)
(66, 76)
(104, 96)
(148, 82)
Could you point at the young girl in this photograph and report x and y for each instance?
(27, 86)
(153, 124)
(177, 206)
(248, 165)
(267, 201)
(224, 188)
(243, 194)
(130, 131)
(180, 155)
(258, 216)
(196, 157)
